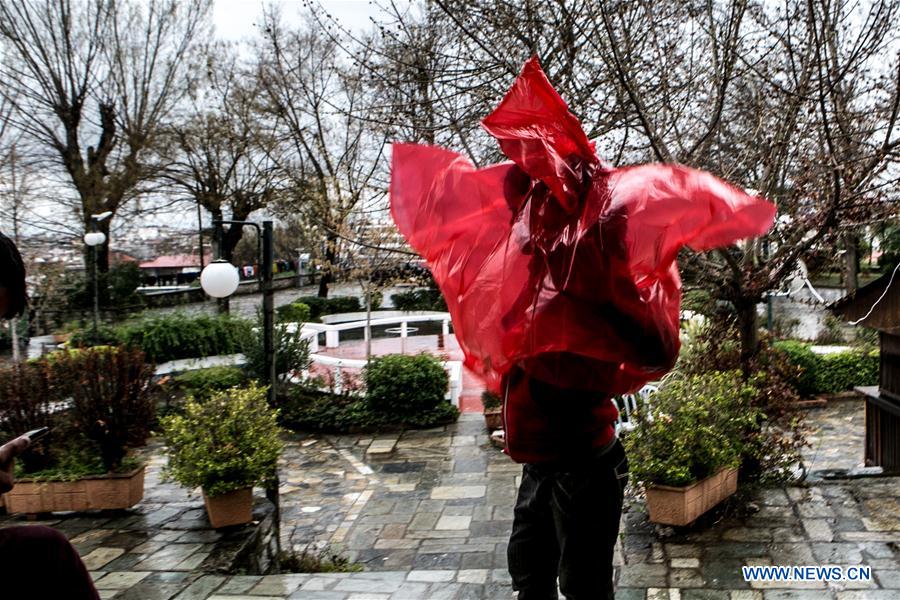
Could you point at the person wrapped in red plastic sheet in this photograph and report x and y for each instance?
(557, 263)
(560, 275)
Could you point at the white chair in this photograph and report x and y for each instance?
(628, 404)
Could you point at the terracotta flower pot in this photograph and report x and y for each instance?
(683, 505)
(493, 418)
(102, 492)
(233, 508)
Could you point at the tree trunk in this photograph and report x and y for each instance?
(330, 259)
(851, 261)
(749, 330)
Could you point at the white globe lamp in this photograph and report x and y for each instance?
(219, 279)
(94, 238)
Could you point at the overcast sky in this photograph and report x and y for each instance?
(236, 19)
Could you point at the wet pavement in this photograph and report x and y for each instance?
(428, 513)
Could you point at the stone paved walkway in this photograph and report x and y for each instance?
(431, 519)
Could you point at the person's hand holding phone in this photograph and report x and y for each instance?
(8, 453)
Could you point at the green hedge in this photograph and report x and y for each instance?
(203, 383)
(297, 312)
(424, 299)
(329, 306)
(401, 391)
(173, 336)
(830, 373)
(399, 384)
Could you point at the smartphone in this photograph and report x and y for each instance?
(36, 434)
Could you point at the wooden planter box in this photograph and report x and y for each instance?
(102, 492)
(493, 418)
(682, 505)
(233, 508)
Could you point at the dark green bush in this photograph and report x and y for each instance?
(423, 299)
(329, 306)
(843, 371)
(490, 400)
(106, 335)
(123, 281)
(317, 306)
(830, 373)
(402, 391)
(176, 336)
(202, 383)
(309, 409)
(799, 354)
(399, 385)
(297, 312)
(342, 304)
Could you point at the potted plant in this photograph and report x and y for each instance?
(97, 404)
(225, 445)
(686, 445)
(493, 410)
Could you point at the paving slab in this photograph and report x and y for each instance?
(425, 523)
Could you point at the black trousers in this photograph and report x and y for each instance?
(566, 525)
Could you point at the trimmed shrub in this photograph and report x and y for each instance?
(225, 443)
(317, 306)
(399, 385)
(843, 371)
(423, 299)
(297, 312)
(342, 304)
(692, 428)
(203, 383)
(106, 335)
(830, 373)
(401, 391)
(309, 409)
(329, 306)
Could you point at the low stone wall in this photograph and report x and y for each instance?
(196, 294)
(249, 550)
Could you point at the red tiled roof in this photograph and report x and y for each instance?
(173, 262)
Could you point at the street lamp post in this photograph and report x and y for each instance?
(220, 279)
(95, 238)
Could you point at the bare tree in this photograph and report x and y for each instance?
(91, 84)
(797, 100)
(224, 149)
(328, 152)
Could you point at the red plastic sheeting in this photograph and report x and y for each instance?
(556, 261)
